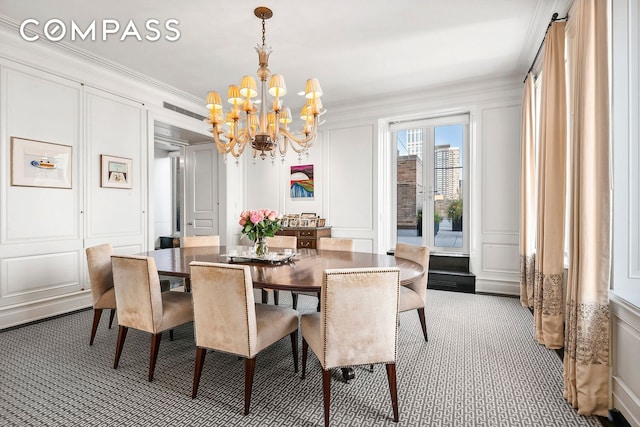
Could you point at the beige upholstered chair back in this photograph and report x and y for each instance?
(138, 295)
(100, 273)
(419, 254)
(198, 241)
(223, 307)
(359, 316)
(333, 244)
(286, 242)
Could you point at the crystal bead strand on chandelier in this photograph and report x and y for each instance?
(267, 132)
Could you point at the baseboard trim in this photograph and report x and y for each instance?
(625, 341)
(29, 312)
(491, 286)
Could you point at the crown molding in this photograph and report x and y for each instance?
(536, 31)
(14, 26)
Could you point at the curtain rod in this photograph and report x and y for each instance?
(554, 18)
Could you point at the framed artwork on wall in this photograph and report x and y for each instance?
(115, 172)
(301, 182)
(40, 164)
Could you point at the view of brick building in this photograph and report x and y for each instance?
(409, 191)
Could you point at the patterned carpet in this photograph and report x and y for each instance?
(481, 367)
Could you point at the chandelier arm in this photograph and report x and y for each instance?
(223, 147)
(240, 146)
(234, 146)
(304, 142)
(298, 150)
(282, 147)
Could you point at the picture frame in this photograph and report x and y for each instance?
(313, 223)
(115, 172)
(40, 164)
(321, 222)
(293, 221)
(284, 222)
(308, 215)
(304, 223)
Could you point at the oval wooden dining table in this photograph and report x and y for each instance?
(302, 274)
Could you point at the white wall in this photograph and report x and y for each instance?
(495, 258)
(162, 196)
(625, 294)
(41, 228)
(352, 163)
(47, 94)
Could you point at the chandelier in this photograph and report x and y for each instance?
(267, 132)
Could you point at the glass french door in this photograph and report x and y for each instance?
(432, 182)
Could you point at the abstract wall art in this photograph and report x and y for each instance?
(301, 184)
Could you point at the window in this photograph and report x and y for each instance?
(431, 169)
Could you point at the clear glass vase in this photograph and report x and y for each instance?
(261, 248)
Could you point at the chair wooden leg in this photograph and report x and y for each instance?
(171, 335)
(97, 313)
(249, 368)
(265, 296)
(201, 352)
(153, 357)
(122, 335)
(276, 297)
(111, 316)
(305, 349)
(326, 392)
(391, 376)
(187, 284)
(294, 348)
(423, 322)
(294, 297)
(318, 306)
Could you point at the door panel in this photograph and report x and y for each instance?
(201, 187)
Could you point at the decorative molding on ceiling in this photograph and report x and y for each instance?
(14, 26)
(537, 28)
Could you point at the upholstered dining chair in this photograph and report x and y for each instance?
(335, 244)
(101, 277)
(326, 244)
(142, 305)
(226, 318)
(414, 296)
(344, 334)
(280, 242)
(199, 241)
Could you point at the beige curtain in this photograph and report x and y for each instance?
(586, 361)
(548, 292)
(527, 194)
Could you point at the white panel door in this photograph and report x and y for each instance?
(201, 191)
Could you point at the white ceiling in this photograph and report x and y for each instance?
(358, 49)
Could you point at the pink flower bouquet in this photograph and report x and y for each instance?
(260, 223)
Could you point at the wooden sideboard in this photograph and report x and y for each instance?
(307, 237)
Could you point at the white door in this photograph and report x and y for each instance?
(201, 191)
